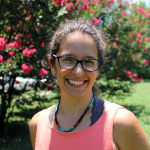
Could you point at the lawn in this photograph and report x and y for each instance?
(17, 132)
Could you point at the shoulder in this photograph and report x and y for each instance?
(32, 128)
(128, 133)
(33, 125)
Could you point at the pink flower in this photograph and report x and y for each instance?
(11, 53)
(131, 76)
(147, 39)
(128, 73)
(32, 51)
(8, 29)
(69, 6)
(49, 85)
(27, 18)
(58, 2)
(129, 41)
(26, 69)
(43, 72)
(42, 44)
(141, 23)
(18, 35)
(1, 59)
(140, 46)
(85, 6)
(146, 62)
(11, 44)
(95, 21)
(148, 22)
(65, 19)
(123, 12)
(145, 49)
(117, 38)
(135, 75)
(18, 43)
(26, 52)
(92, 11)
(36, 29)
(118, 78)
(27, 36)
(41, 26)
(115, 45)
(2, 42)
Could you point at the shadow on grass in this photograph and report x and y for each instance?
(136, 109)
(16, 136)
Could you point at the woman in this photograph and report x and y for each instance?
(80, 120)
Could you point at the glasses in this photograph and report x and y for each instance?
(88, 64)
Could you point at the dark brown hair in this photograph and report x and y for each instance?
(72, 26)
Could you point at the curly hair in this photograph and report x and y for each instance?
(72, 26)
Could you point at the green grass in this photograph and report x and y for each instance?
(139, 104)
(17, 133)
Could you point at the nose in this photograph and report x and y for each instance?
(78, 70)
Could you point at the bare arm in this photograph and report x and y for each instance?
(32, 128)
(128, 133)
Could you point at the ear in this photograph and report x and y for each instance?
(53, 70)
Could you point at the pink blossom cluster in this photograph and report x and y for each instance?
(109, 3)
(11, 53)
(95, 21)
(134, 76)
(69, 6)
(28, 52)
(26, 69)
(92, 11)
(147, 39)
(15, 44)
(43, 72)
(57, 2)
(2, 42)
(27, 36)
(123, 12)
(85, 6)
(115, 45)
(8, 29)
(43, 44)
(143, 12)
(146, 62)
(1, 59)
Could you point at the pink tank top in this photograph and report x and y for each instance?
(99, 136)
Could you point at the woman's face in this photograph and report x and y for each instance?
(75, 83)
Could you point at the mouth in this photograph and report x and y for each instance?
(76, 83)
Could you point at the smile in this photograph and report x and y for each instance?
(76, 82)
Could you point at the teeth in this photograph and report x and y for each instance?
(76, 82)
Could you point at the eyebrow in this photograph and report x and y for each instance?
(70, 55)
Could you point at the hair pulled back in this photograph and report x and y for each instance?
(72, 26)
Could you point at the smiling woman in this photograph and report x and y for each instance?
(80, 120)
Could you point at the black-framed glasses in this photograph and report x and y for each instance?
(88, 64)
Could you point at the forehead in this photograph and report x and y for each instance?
(78, 44)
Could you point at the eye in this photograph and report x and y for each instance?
(89, 62)
(67, 60)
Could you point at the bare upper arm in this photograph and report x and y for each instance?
(128, 133)
(32, 128)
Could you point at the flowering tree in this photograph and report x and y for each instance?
(26, 26)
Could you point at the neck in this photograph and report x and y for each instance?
(70, 106)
